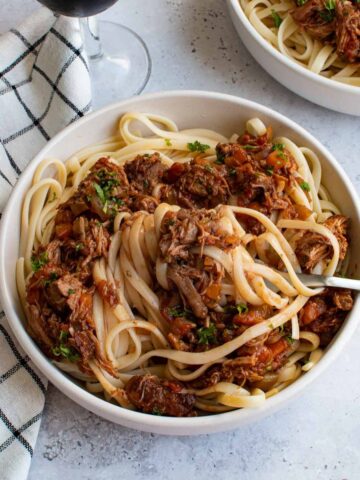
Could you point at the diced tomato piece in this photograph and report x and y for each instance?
(277, 159)
(278, 347)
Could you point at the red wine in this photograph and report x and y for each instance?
(78, 8)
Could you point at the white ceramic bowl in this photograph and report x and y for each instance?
(323, 91)
(227, 115)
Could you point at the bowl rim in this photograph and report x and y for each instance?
(341, 87)
(147, 422)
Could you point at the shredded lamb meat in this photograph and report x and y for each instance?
(337, 23)
(348, 30)
(325, 313)
(160, 397)
(313, 247)
(311, 17)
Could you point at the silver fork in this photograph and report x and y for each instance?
(322, 281)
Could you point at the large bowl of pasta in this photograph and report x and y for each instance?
(150, 258)
(312, 47)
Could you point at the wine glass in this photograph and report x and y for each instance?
(119, 60)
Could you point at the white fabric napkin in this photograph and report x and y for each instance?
(44, 86)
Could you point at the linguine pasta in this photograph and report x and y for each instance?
(273, 21)
(133, 337)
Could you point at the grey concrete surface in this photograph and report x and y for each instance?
(193, 45)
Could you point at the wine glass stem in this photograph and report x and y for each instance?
(90, 34)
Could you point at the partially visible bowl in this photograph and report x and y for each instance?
(315, 88)
(227, 115)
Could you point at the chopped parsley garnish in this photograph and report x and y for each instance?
(232, 172)
(179, 311)
(242, 308)
(53, 276)
(63, 350)
(300, 3)
(305, 186)
(198, 147)
(168, 142)
(67, 352)
(329, 13)
(71, 291)
(289, 339)
(269, 171)
(39, 262)
(239, 308)
(249, 147)
(104, 188)
(208, 168)
(207, 335)
(79, 246)
(100, 193)
(157, 411)
(276, 17)
(278, 147)
(146, 183)
(220, 158)
(63, 335)
(118, 201)
(170, 222)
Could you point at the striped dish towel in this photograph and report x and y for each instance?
(44, 85)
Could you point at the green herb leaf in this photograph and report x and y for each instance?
(278, 146)
(146, 183)
(100, 193)
(39, 262)
(207, 335)
(79, 246)
(220, 159)
(329, 14)
(53, 276)
(63, 335)
(242, 308)
(157, 411)
(71, 291)
(168, 142)
(177, 311)
(67, 352)
(209, 168)
(269, 171)
(249, 147)
(330, 4)
(118, 201)
(300, 3)
(289, 339)
(276, 17)
(198, 147)
(232, 172)
(305, 186)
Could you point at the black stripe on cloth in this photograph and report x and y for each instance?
(13, 369)
(2, 175)
(55, 88)
(83, 111)
(77, 51)
(11, 160)
(22, 38)
(32, 117)
(18, 85)
(31, 126)
(26, 425)
(22, 56)
(16, 433)
(19, 357)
